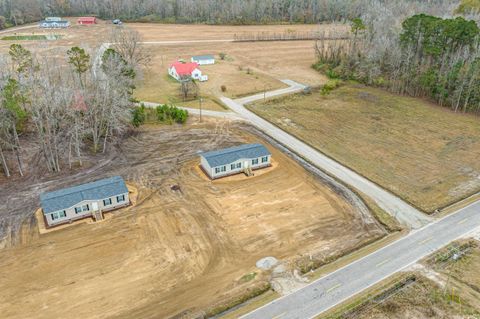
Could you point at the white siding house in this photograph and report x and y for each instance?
(203, 59)
(87, 200)
(234, 160)
(54, 23)
(179, 69)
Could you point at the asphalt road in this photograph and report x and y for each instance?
(405, 213)
(344, 283)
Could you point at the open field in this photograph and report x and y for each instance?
(174, 251)
(423, 153)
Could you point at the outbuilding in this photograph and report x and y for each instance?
(179, 70)
(239, 159)
(203, 59)
(82, 201)
(87, 20)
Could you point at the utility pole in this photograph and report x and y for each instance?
(200, 102)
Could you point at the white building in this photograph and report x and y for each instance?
(239, 159)
(179, 70)
(203, 59)
(87, 200)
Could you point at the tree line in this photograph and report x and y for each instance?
(70, 109)
(427, 56)
(16, 12)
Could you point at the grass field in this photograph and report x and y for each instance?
(425, 154)
(31, 37)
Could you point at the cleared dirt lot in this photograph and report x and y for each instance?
(425, 154)
(175, 251)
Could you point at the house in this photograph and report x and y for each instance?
(203, 59)
(239, 159)
(54, 23)
(180, 69)
(87, 20)
(82, 201)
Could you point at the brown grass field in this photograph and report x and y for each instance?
(174, 251)
(424, 153)
(267, 62)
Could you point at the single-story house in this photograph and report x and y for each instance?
(82, 201)
(87, 20)
(180, 69)
(203, 59)
(54, 24)
(239, 159)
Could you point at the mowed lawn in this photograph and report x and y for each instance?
(426, 154)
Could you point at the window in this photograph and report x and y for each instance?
(78, 210)
(255, 161)
(239, 165)
(58, 215)
(85, 208)
(107, 202)
(264, 159)
(220, 169)
(232, 167)
(120, 198)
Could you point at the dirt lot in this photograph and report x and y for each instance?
(424, 153)
(175, 251)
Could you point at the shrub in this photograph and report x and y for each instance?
(138, 115)
(222, 55)
(224, 88)
(330, 86)
(171, 114)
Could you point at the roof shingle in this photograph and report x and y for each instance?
(232, 154)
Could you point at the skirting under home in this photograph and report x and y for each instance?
(234, 160)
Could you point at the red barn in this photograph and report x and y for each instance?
(87, 20)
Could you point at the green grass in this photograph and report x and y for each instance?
(425, 154)
(31, 37)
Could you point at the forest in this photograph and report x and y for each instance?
(420, 55)
(69, 110)
(16, 12)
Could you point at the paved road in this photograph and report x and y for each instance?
(340, 285)
(395, 206)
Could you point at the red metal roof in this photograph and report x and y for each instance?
(87, 19)
(184, 68)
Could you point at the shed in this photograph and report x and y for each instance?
(87, 20)
(82, 201)
(203, 59)
(238, 159)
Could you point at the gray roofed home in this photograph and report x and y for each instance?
(203, 59)
(239, 159)
(54, 24)
(85, 200)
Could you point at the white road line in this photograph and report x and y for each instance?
(383, 262)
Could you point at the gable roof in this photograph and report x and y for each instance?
(184, 68)
(229, 155)
(203, 57)
(54, 22)
(69, 197)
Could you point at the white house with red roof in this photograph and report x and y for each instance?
(180, 69)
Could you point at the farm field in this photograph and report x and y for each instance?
(250, 67)
(175, 251)
(425, 154)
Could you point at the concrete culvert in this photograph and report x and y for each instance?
(266, 263)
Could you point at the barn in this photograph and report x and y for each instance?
(83, 201)
(203, 59)
(239, 159)
(180, 69)
(87, 20)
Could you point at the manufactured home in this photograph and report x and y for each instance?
(87, 20)
(203, 59)
(54, 23)
(83, 201)
(234, 160)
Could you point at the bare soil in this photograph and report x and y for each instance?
(175, 251)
